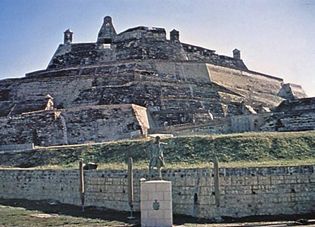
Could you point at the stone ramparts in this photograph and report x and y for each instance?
(254, 89)
(242, 191)
(178, 83)
(75, 125)
(292, 91)
(200, 54)
(292, 115)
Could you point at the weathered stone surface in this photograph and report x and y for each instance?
(242, 191)
(179, 84)
(292, 115)
(291, 91)
(107, 32)
(156, 203)
(75, 125)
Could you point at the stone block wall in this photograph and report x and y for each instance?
(41, 128)
(299, 105)
(292, 115)
(292, 91)
(60, 186)
(104, 123)
(243, 191)
(75, 125)
(196, 53)
(248, 123)
(286, 122)
(267, 191)
(253, 88)
(156, 204)
(174, 92)
(216, 126)
(133, 44)
(167, 89)
(185, 71)
(63, 89)
(141, 32)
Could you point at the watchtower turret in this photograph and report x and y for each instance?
(67, 37)
(107, 31)
(236, 54)
(174, 35)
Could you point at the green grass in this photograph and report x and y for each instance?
(246, 149)
(184, 165)
(18, 216)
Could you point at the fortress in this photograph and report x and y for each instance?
(131, 83)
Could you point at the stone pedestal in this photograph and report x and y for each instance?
(156, 204)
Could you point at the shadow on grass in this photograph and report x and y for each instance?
(91, 212)
(74, 211)
(113, 215)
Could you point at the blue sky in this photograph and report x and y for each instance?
(276, 37)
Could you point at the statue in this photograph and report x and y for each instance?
(156, 157)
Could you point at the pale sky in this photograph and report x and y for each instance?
(276, 37)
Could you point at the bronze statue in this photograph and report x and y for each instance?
(156, 157)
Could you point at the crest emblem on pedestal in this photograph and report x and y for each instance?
(156, 205)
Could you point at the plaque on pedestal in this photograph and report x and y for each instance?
(156, 204)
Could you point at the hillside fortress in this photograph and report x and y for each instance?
(134, 82)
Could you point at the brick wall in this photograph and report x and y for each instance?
(243, 191)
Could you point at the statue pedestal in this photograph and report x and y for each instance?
(156, 203)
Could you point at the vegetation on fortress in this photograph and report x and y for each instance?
(233, 149)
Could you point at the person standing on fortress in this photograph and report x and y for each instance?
(156, 157)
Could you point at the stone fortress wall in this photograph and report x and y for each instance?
(292, 114)
(139, 43)
(242, 191)
(200, 83)
(205, 86)
(179, 84)
(250, 87)
(75, 125)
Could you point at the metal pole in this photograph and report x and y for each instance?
(216, 182)
(82, 188)
(130, 187)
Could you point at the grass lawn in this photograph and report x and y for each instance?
(39, 213)
(141, 165)
(233, 150)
